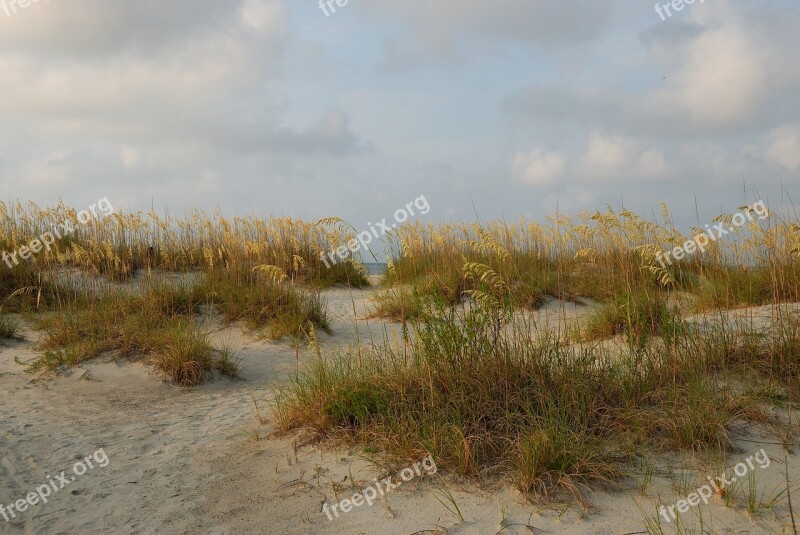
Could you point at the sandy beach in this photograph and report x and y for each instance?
(399, 267)
(208, 461)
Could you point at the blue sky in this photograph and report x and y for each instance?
(520, 106)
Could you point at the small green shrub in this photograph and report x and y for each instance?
(639, 316)
(9, 327)
(356, 407)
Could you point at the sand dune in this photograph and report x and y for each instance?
(200, 461)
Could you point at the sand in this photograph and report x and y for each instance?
(200, 461)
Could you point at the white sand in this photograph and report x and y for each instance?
(187, 461)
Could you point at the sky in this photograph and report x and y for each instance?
(489, 108)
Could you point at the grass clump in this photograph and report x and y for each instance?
(773, 357)
(264, 301)
(604, 256)
(734, 287)
(9, 327)
(487, 397)
(158, 324)
(556, 456)
(638, 315)
(399, 304)
(402, 303)
(347, 273)
(185, 357)
(354, 406)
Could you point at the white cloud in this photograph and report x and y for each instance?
(269, 105)
(608, 153)
(100, 28)
(129, 156)
(440, 29)
(652, 164)
(264, 16)
(784, 146)
(722, 71)
(615, 157)
(51, 171)
(720, 79)
(539, 168)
